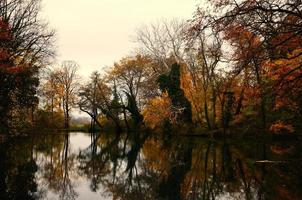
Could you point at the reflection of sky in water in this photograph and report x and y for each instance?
(83, 191)
(158, 165)
(78, 141)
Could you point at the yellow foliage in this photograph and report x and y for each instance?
(157, 110)
(192, 92)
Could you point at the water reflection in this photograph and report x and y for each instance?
(17, 173)
(57, 165)
(141, 165)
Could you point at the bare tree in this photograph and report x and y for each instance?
(67, 77)
(33, 42)
(89, 96)
(162, 41)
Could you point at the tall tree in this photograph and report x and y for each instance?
(68, 79)
(131, 76)
(164, 42)
(258, 34)
(204, 60)
(97, 100)
(33, 41)
(50, 90)
(26, 44)
(89, 98)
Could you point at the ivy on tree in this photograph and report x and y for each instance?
(171, 84)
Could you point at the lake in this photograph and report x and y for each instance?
(141, 165)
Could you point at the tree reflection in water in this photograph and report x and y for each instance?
(57, 163)
(139, 166)
(142, 165)
(17, 171)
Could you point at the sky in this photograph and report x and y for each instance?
(97, 33)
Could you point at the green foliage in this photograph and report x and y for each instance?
(163, 82)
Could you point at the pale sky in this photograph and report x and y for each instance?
(97, 33)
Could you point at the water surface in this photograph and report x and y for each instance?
(148, 166)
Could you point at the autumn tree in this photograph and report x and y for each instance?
(32, 39)
(131, 76)
(198, 53)
(258, 34)
(205, 68)
(171, 84)
(50, 90)
(98, 100)
(158, 110)
(18, 83)
(68, 79)
(50, 114)
(26, 43)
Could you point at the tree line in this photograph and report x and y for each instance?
(234, 64)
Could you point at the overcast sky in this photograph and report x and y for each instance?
(96, 33)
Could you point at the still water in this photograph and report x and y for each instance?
(141, 166)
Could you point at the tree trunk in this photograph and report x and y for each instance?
(262, 96)
(214, 110)
(207, 114)
(67, 115)
(239, 104)
(125, 119)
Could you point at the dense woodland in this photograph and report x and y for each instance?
(234, 64)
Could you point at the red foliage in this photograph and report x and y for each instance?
(6, 64)
(14, 70)
(5, 31)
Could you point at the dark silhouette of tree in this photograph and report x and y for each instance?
(171, 84)
(97, 100)
(26, 45)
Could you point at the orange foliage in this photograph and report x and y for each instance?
(192, 93)
(157, 110)
(286, 74)
(246, 43)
